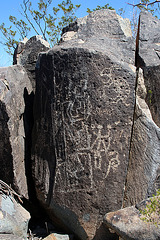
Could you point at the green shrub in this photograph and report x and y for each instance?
(152, 211)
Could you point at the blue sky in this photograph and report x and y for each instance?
(12, 7)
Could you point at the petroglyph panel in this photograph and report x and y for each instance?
(85, 97)
(83, 121)
(92, 112)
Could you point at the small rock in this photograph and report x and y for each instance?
(13, 218)
(127, 223)
(56, 236)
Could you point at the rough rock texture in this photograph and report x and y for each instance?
(144, 162)
(127, 223)
(95, 148)
(152, 83)
(102, 31)
(149, 40)
(18, 51)
(144, 165)
(56, 236)
(13, 217)
(9, 237)
(84, 105)
(15, 94)
(26, 54)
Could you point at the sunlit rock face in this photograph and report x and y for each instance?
(26, 54)
(15, 98)
(128, 222)
(17, 85)
(14, 218)
(149, 40)
(83, 113)
(144, 165)
(90, 144)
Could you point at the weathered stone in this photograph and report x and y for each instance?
(19, 49)
(144, 165)
(128, 224)
(103, 31)
(9, 237)
(148, 50)
(84, 105)
(83, 112)
(149, 40)
(15, 93)
(26, 54)
(145, 151)
(56, 236)
(152, 83)
(13, 217)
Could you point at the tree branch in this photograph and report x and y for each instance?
(26, 15)
(143, 4)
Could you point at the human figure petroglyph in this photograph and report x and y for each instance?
(99, 145)
(94, 144)
(79, 108)
(92, 147)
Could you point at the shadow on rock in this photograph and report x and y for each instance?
(6, 158)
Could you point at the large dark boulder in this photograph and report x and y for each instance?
(145, 151)
(144, 165)
(16, 100)
(148, 40)
(83, 111)
(94, 147)
(26, 54)
(17, 85)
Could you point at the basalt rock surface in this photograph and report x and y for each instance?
(84, 106)
(144, 164)
(128, 224)
(17, 86)
(95, 140)
(13, 218)
(26, 54)
(148, 39)
(15, 104)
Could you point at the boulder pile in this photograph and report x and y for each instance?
(80, 125)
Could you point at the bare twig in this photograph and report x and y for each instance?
(47, 227)
(25, 9)
(143, 4)
(5, 188)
